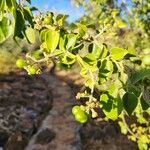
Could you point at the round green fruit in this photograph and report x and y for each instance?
(75, 109)
(32, 70)
(81, 117)
(47, 20)
(20, 63)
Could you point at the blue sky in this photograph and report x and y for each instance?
(60, 6)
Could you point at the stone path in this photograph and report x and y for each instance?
(59, 130)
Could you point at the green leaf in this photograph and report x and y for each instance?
(90, 59)
(52, 39)
(61, 19)
(68, 59)
(140, 75)
(28, 14)
(62, 42)
(146, 95)
(112, 107)
(30, 34)
(120, 23)
(105, 70)
(144, 104)
(2, 6)
(123, 128)
(19, 24)
(130, 102)
(37, 54)
(43, 35)
(99, 51)
(29, 1)
(9, 3)
(82, 29)
(114, 88)
(6, 29)
(117, 53)
(103, 51)
(71, 40)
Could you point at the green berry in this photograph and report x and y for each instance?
(47, 20)
(32, 70)
(20, 63)
(75, 109)
(81, 117)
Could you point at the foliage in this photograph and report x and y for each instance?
(115, 78)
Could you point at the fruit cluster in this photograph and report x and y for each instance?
(79, 114)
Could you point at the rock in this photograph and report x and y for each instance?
(16, 141)
(24, 103)
(45, 136)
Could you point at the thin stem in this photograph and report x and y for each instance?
(93, 84)
(44, 59)
(127, 127)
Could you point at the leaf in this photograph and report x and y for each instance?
(9, 3)
(105, 70)
(28, 14)
(68, 59)
(6, 29)
(130, 102)
(140, 75)
(123, 128)
(61, 19)
(144, 104)
(52, 39)
(71, 38)
(2, 5)
(33, 8)
(117, 53)
(90, 59)
(120, 23)
(29, 1)
(114, 88)
(62, 42)
(82, 29)
(146, 95)
(99, 51)
(19, 24)
(111, 107)
(43, 35)
(30, 34)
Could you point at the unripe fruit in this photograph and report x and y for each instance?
(47, 20)
(20, 63)
(81, 117)
(32, 70)
(75, 109)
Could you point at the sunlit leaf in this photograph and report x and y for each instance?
(6, 29)
(117, 53)
(30, 34)
(52, 39)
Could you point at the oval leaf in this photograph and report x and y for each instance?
(5, 29)
(30, 34)
(140, 75)
(117, 53)
(130, 102)
(52, 39)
